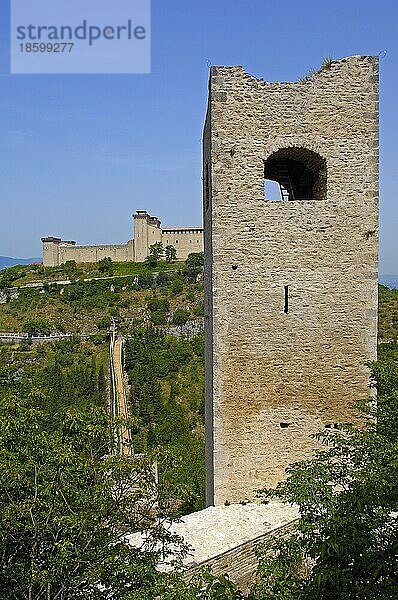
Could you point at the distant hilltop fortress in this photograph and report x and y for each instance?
(147, 231)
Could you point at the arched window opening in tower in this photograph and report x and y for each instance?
(295, 174)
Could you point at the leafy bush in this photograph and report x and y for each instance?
(144, 281)
(195, 259)
(163, 278)
(104, 323)
(156, 253)
(158, 304)
(25, 345)
(105, 265)
(198, 310)
(177, 286)
(158, 309)
(37, 326)
(69, 268)
(158, 317)
(190, 274)
(180, 316)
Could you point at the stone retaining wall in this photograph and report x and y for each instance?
(240, 563)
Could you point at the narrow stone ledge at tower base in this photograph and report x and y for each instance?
(225, 537)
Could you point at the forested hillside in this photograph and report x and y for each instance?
(159, 312)
(67, 373)
(164, 294)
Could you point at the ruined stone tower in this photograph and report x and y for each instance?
(291, 285)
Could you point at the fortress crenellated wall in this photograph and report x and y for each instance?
(147, 231)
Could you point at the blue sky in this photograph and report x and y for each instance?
(80, 153)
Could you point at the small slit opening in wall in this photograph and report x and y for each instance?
(234, 267)
(286, 299)
(284, 425)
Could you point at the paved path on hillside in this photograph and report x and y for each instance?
(119, 401)
(41, 284)
(45, 337)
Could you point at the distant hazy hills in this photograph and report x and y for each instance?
(8, 261)
(390, 281)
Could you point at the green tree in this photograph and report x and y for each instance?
(170, 253)
(105, 265)
(195, 259)
(144, 281)
(70, 268)
(193, 266)
(177, 286)
(162, 279)
(348, 500)
(158, 310)
(157, 303)
(104, 322)
(66, 505)
(156, 253)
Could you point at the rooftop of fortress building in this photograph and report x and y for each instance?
(51, 239)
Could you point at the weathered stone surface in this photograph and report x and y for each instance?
(273, 378)
(218, 529)
(226, 537)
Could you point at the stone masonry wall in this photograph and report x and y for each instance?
(240, 563)
(92, 254)
(275, 377)
(184, 241)
(50, 254)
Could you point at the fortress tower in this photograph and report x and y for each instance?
(291, 284)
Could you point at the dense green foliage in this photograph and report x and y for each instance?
(86, 306)
(167, 381)
(66, 501)
(23, 274)
(156, 253)
(388, 313)
(194, 260)
(67, 373)
(170, 253)
(66, 504)
(180, 316)
(105, 265)
(37, 326)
